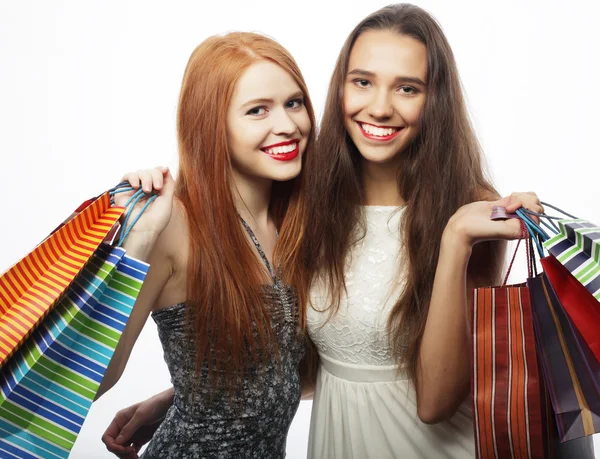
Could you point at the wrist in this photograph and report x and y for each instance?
(455, 239)
(161, 403)
(166, 397)
(140, 245)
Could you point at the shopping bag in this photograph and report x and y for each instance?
(569, 368)
(509, 399)
(30, 288)
(571, 371)
(574, 294)
(48, 385)
(577, 248)
(582, 309)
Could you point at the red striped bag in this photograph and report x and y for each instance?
(30, 288)
(510, 408)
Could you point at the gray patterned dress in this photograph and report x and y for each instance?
(252, 424)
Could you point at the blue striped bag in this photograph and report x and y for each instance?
(48, 386)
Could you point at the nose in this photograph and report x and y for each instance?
(283, 124)
(381, 106)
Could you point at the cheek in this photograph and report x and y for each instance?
(245, 137)
(353, 102)
(235, 142)
(411, 111)
(232, 130)
(302, 120)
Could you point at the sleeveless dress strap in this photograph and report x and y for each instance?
(258, 247)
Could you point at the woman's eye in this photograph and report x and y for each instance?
(257, 111)
(409, 90)
(295, 103)
(362, 83)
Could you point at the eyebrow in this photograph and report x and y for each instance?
(264, 101)
(398, 79)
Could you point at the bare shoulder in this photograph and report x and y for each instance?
(174, 238)
(174, 244)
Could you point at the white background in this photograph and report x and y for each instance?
(88, 91)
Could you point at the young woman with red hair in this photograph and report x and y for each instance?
(231, 329)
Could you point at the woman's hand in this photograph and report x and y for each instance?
(157, 215)
(134, 426)
(472, 223)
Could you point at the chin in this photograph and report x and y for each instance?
(288, 172)
(377, 155)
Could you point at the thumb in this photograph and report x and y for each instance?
(510, 204)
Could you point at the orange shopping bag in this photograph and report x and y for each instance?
(30, 289)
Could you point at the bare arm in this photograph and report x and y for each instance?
(148, 241)
(444, 360)
(158, 275)
(443, 375)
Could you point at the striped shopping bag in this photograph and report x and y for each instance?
(574, 242)
(577, 248)
(507, 398)
(571, 268)
(33, 285)
(47, 387)
(510, 402)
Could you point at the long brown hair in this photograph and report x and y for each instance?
(441, 171)
(228, 318)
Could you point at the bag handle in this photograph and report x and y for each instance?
(532, 231)
(133, 200)
(548, 220)
(538, 234)
(525, 234)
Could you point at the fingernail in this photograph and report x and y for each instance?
(119, 439)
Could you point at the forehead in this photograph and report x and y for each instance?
(264, 80)
(389, 54)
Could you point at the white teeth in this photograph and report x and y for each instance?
(377, 131)
(283, 149)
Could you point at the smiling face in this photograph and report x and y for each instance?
(267, 124)
(384, 93)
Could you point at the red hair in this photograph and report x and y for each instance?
(228, 318)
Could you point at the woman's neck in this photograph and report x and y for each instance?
(380, 184)
(252, 196)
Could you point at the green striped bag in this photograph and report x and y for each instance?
(47, 387)
(577, 248)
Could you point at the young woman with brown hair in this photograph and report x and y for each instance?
(231, 330)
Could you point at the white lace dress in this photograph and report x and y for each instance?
(361, 408)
